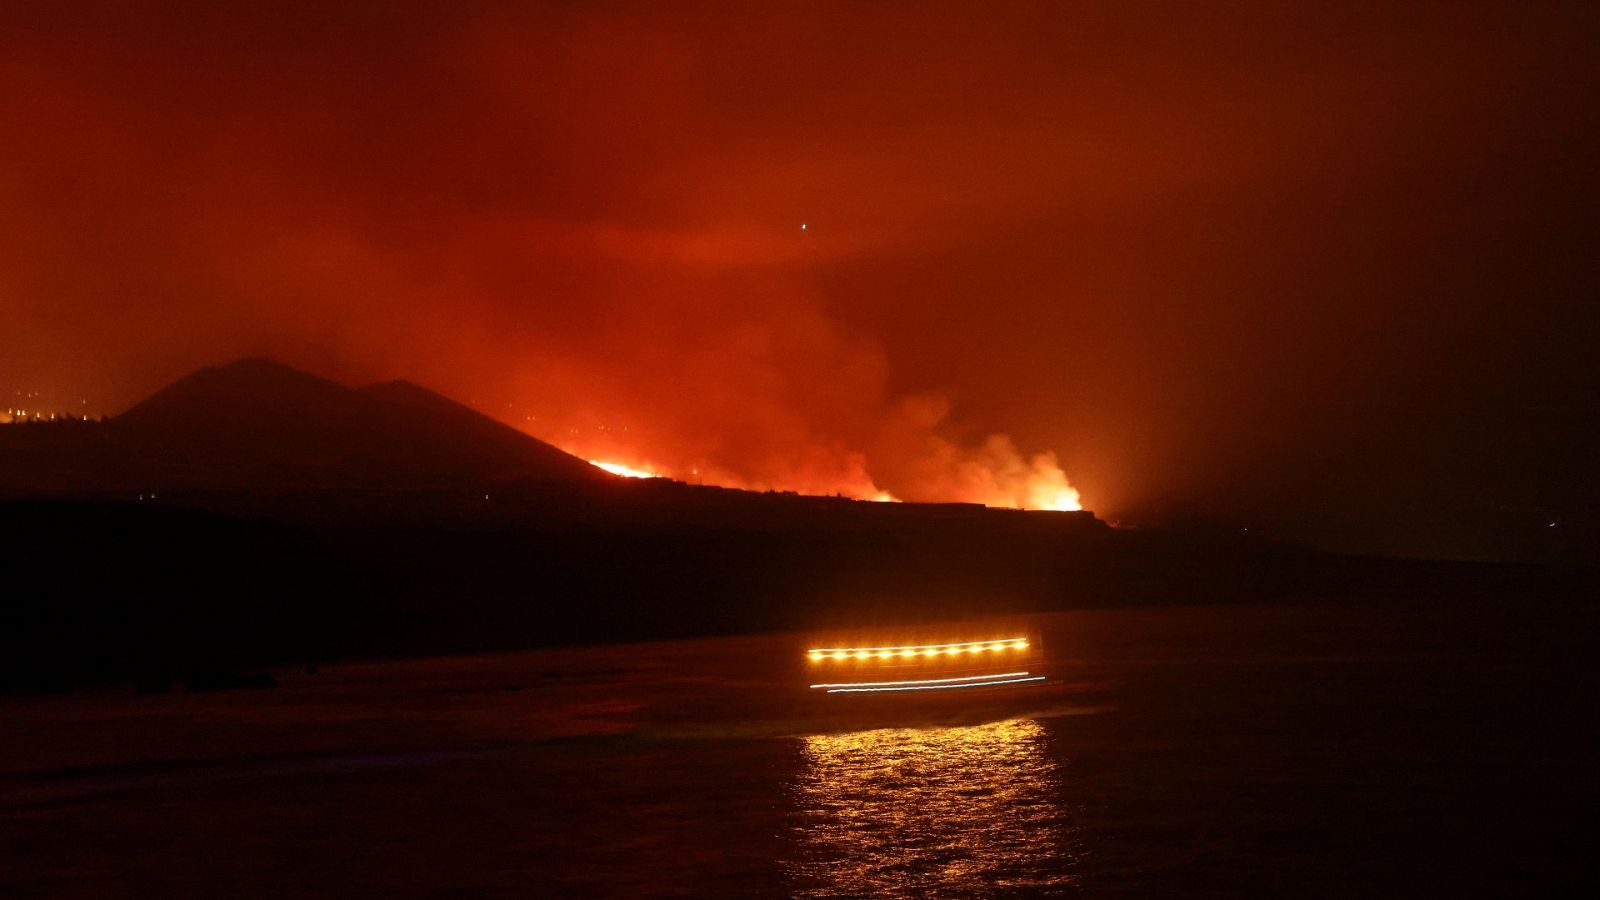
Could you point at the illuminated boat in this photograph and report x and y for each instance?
(975, 679)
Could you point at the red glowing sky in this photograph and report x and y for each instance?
(1313, 264)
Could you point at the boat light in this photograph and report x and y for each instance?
(884, 684)
(912, 650)
(929, 687)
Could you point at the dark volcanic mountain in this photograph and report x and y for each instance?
(258, 424)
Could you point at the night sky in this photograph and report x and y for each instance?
(1327, 270)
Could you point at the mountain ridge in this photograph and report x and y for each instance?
(256, 423)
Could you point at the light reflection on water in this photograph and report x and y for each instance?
(927, 812)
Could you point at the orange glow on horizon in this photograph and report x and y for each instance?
(1064, 500)
(1045, 488)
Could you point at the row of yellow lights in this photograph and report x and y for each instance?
(907, 652)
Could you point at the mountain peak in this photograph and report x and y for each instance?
(226, 422)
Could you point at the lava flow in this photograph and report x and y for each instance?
(624, 471)
(1044, 487)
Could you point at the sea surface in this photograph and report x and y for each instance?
(1328, 750)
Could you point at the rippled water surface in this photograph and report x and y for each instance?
(911, 810)
(1404, 749)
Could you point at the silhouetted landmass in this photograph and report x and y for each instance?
(252, 514)
(258, 427)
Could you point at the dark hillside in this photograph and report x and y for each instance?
(256, 427)
(435, 433)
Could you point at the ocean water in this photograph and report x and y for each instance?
(1329, 750)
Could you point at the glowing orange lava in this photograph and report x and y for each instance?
(624, 471)
(1065, 500)
(1000, 478)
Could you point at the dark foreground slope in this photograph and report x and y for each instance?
(106, 590)
(115, 591)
